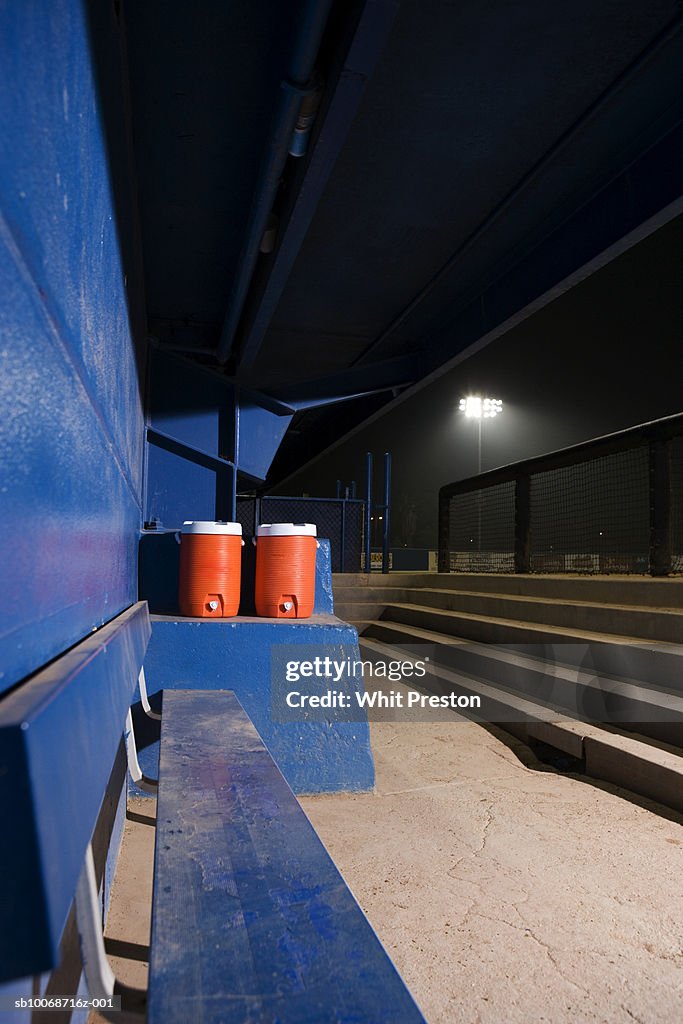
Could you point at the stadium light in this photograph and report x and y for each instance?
(479, 408)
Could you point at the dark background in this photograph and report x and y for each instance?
(604, 356)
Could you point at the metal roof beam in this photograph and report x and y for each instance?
(366, 47)
(357, 382)
(293, 89)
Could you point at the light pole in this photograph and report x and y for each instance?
(477, 408)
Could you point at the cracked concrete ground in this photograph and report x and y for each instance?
(505, 892)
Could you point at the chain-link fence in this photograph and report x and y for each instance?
(339, 519)
(611, 505)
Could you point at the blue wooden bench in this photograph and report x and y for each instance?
(251, 920)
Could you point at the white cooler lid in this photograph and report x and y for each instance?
(286, 530)
(206, 526)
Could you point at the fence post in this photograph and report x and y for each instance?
(660, 507)
(444, 562)
(386, 532)
(342, 553)
(368, 512)
(523, 523)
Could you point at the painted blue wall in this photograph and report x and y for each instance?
(71, 429)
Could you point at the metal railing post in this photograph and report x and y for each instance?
(444, 562)
(660, 507)
(368, 512)
(342, 539)
(386, 523)
(523, 523)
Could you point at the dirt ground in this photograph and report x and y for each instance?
(503, 891)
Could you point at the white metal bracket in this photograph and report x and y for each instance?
(99, 976)
(144, 699)
(140, 780)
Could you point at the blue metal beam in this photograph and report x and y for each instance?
(293, 89)
(366, 47)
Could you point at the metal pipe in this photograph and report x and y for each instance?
(387, 512)
(293, 90)
(368, 511)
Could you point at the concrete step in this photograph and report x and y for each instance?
(353, 611)
(659, 624)
(652, 771)
(641, 704)
(662, 624)
(645, 591)
(493, 629)
(657, 664)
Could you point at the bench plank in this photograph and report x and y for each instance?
(251, 920)
(59, 735)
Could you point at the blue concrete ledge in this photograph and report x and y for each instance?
(318, 756)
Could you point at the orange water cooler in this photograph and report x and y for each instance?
(285, 570)
(210, 569)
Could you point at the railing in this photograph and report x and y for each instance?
(610, 505)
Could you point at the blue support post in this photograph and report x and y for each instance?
(338, 490)
(233, 497)
(368, 511)
(342, 539)
(387, 512)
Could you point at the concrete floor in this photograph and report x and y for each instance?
(503, 891)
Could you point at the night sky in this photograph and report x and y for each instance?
(604, 356)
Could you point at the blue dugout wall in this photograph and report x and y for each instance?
(72, 429)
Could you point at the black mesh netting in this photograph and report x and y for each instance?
(339, 520)
(593, 516)
(482, 530)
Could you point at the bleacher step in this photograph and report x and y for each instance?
(659, 624)
(630, 761)
(574, 684)
(493, 629)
